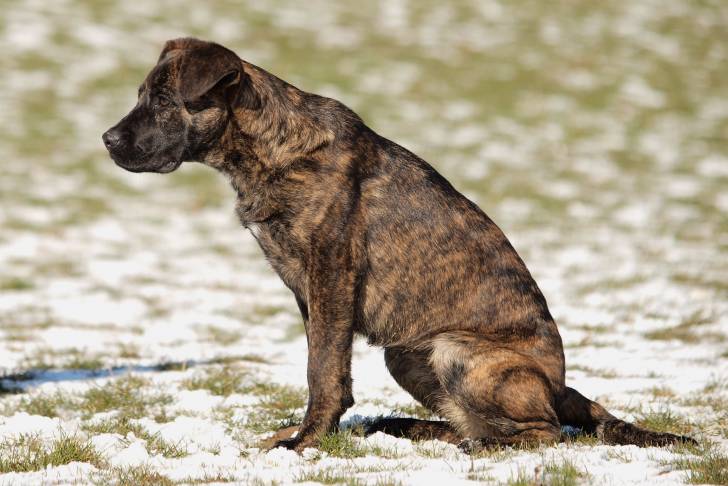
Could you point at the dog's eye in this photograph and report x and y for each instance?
(161, 101)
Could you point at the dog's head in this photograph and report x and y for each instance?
(184, 105)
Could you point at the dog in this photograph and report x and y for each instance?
(372, 241)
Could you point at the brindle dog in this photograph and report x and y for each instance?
(372, 241)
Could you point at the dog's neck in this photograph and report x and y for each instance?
(248, 173)
(263, 143)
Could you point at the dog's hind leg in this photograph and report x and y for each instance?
(412, 371)
(494, 395)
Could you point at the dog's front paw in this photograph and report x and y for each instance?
(297, 444)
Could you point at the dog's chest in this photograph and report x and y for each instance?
(284, 253)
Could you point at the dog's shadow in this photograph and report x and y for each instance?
(26, 380)
(410, 428)
(403, 427)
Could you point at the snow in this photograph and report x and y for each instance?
(572, 139)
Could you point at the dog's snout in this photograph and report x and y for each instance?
(111, 138)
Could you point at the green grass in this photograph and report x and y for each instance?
(222, 381)
(131, 396)
(703, 464)
(132, 476)
(128, 351)
(279, 406)
(563, 473)
(44, 404)
(64, 358)
(329, 475)
(662, 392)
(600, 373)
(664, 420)
(27, 453)
(259, 313)
(521, 478)
(688, 331)
(221, 336)
(552, 473)
(414, 410)
(210, 477)
(582, 439)
(249, 357)
(16, 283)
(341, 444)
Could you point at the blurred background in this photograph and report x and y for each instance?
(594, 133)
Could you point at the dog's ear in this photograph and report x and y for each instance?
(207, 68)
(172, 47)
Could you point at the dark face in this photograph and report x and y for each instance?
(183, 107)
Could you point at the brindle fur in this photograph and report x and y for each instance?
(372, 241)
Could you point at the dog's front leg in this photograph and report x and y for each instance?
(329, 332)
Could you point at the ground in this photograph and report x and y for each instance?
(144, 339)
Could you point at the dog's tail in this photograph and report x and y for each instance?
(578, 411)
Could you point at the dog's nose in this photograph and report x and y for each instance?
(111, 138)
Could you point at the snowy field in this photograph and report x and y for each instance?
(144, 340)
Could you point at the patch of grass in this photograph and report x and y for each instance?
(480, 474)
(590, 341)
(562, 474)
(430, 449)
(129, 351)
(716, 384)
(341, 444)
(704, 464)
(221, 381)
(328, 475)
(46, 405)
(226, 360)
(220, 335)
(414, 410)
(16, 283)
(67, 358)
(609, 374)
(293, 332)
(664, 420)
(29, 452)
(82, 362)
(619, 455)
(598, 329)
(582, 439)
(131, 396)
(520, 478)
(495, 453)
(263, 311)
(279, 406)
(18, 336)
(686, 332)
(662, 392)
(210, 477)
(133, 476)
(716, 402)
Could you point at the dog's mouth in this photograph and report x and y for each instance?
(144, 164)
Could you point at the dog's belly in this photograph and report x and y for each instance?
(409, 312)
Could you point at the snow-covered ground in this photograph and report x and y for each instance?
(137, 318)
